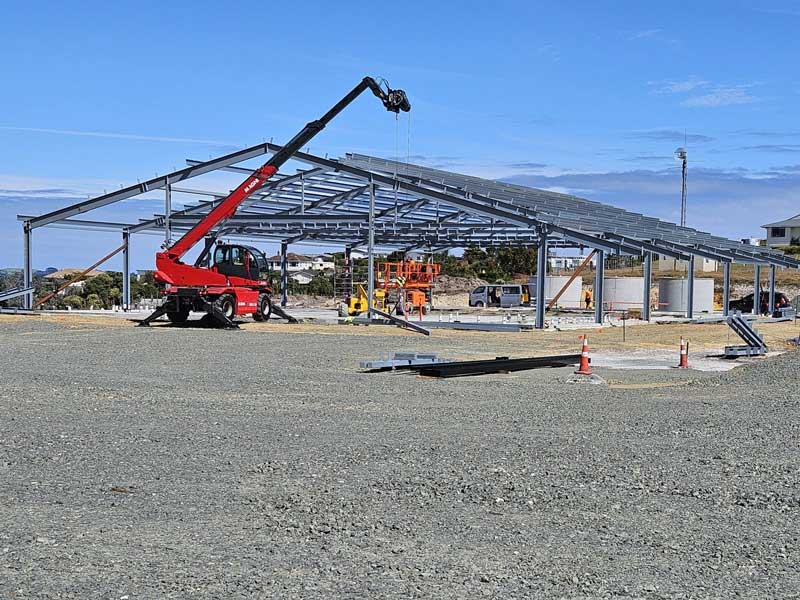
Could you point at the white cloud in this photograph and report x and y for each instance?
(120, 136)
(21, 186)
(678, 87)
(722, 96)
(645, 33)
(720, 201)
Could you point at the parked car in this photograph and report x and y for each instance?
(745, 304)
(498, 295)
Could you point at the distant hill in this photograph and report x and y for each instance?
(39, 273)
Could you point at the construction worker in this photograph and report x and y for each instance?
(587, 298)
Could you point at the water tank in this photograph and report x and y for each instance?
(571, 298)
(623, 293)
(673, 295)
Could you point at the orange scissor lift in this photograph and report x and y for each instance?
(413, 279)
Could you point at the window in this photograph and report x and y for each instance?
(236, 256)
(512, 289)
(777, 231)
(479, 290)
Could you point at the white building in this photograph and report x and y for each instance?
(302, 277)
(566, 263)
(782, 233)
(701, 264)
(752, 241)
(322, 262)
(294, 262)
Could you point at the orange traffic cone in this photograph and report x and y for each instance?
(583, 368)
(684, 361)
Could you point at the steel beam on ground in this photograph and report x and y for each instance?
(27, 269)
(771, 289)
(648, 282)
(756, 289)
(726, 287)
(371, 247)
(690, 289)
(599, 274)
(541, 280)
(126, 271)
(284, 274)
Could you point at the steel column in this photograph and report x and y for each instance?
(726, 287)
(167, 215)
(348, 261)
(599, 274)
(371, 247)
(757, 289)
(648, 282)
(126, 271)
(771, 289)
(690, 289)
(27, 269)
(284, 274)
(541, 272)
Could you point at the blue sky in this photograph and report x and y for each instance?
(586, 97)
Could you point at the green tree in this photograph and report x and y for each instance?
(320, 285)
(145, 287)
(492, 264)
(73, 301)
(100, 286)
(94, 301)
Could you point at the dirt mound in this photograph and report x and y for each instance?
(307, 301)
(448, 284)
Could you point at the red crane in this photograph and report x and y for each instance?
(236, 282)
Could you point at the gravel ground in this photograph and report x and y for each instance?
(175, 463)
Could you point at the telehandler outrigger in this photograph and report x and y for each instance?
(237, 283)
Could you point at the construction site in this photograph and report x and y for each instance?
(624, 425)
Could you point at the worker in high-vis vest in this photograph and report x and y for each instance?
(587, 298)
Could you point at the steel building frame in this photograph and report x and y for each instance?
(359, 200)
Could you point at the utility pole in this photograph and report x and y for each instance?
(680, 155)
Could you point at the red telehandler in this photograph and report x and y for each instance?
(236, 282)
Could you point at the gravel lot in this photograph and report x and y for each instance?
(197, 463)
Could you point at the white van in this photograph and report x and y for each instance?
(500, 294)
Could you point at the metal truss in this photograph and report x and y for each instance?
(342, 201)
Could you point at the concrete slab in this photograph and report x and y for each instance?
(666, 359)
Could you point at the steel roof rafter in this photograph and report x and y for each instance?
(413, 205)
